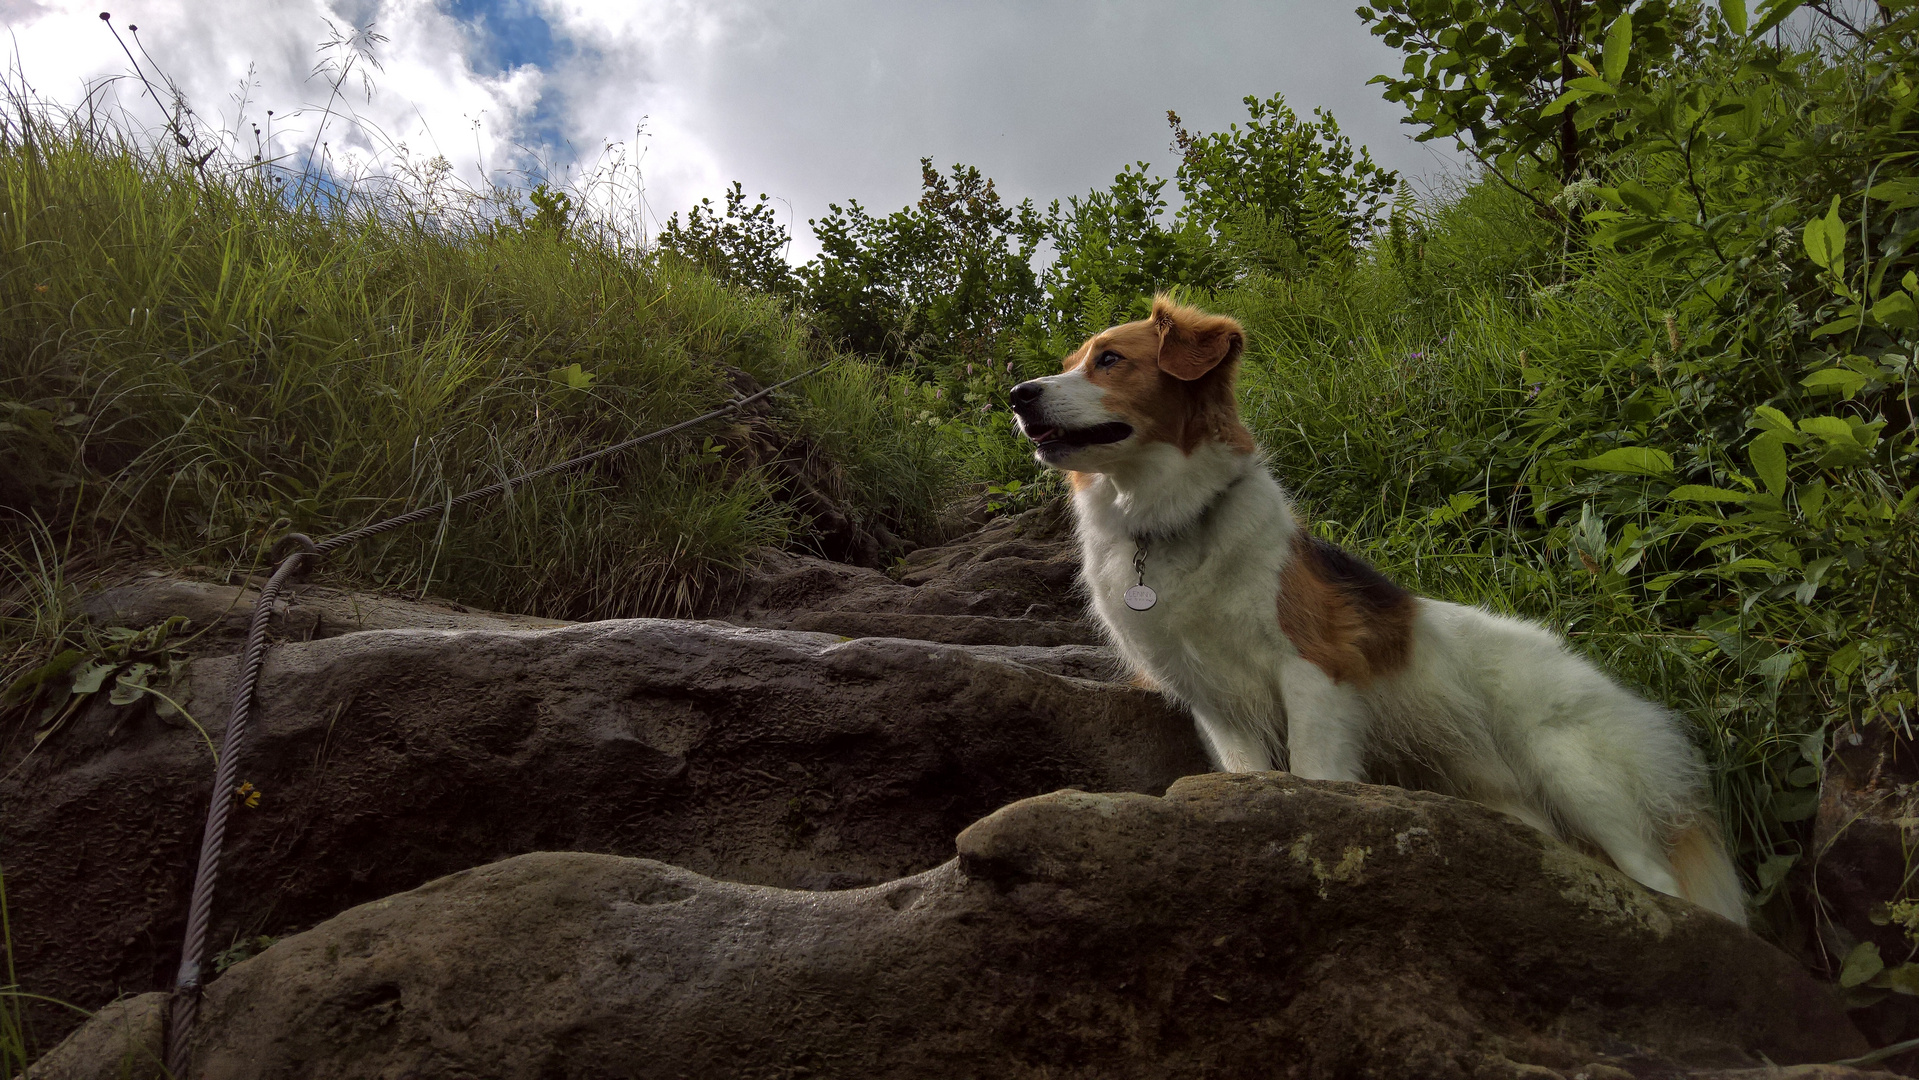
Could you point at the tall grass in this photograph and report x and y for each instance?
(193, 361)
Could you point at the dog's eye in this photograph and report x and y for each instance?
(1107, 359)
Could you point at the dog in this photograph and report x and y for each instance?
(1292, 653)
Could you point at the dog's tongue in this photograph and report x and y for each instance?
(1041, 435)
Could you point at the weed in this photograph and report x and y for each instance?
(242, 949)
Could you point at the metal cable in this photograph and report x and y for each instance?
(187, 983)
(186, 987)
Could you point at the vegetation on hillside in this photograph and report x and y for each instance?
(193, 363)
(1645, 375)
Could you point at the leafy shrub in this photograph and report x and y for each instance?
(941, 282)
(745, 246)
(1282, 194)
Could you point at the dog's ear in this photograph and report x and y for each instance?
(1192, 342)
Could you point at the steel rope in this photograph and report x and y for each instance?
(187, 982)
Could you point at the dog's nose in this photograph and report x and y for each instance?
(1026, 393)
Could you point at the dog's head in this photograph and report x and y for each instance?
(1165, 380)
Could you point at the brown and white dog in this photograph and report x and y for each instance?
(1293, 654)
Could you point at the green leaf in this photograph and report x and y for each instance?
(1585, 65)
(128, 688)
(1618, 47)
(1862, 963)
(1896, 311)
(1559, 103)
(1903, 979)
(52, 669)
(1837, 326)
(572, 376)
(1635, 232)
(1835, 380)
(93, 676)
(1636, 195)
(1703, 493)
(1818, 244)
(1664, 582)
(1772, 13)
(1901, 194)
(1630, 460)
(1846, 660)
(1830, 428)
(1825, 241)
(1768, 454)
(1767, 418)
(1591, 86)
(1774, 869)
(1735, 13)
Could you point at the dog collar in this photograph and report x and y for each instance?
(1141, 596)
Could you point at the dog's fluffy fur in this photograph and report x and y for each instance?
(1293, 654)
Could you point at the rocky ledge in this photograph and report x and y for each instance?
(388, 758)
(658, 848)
(1239, 926)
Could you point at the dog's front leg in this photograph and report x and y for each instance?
(1232, 748)
(1325, 724)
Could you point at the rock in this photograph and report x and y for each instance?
(307, 611)
(125, 1040)
(1790, 1072)
(1012, 582)
(389, 758)
(1863, 837)
(1242, 925)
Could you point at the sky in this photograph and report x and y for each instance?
(810, 101)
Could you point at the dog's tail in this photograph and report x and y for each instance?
(1705, 872)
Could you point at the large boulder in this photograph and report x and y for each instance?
(387, 759)
(124, 1040)
(1242, 925)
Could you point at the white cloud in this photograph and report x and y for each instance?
(426, 98)
(810, 101)
(816, 101)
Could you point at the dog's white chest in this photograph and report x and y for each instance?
(1197, 613)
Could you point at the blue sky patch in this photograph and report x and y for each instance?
(508, 34)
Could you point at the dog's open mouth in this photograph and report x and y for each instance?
(1054, 440)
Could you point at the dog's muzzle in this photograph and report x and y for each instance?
(1051, 439)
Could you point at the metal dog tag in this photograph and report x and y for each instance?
(1141, 597)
